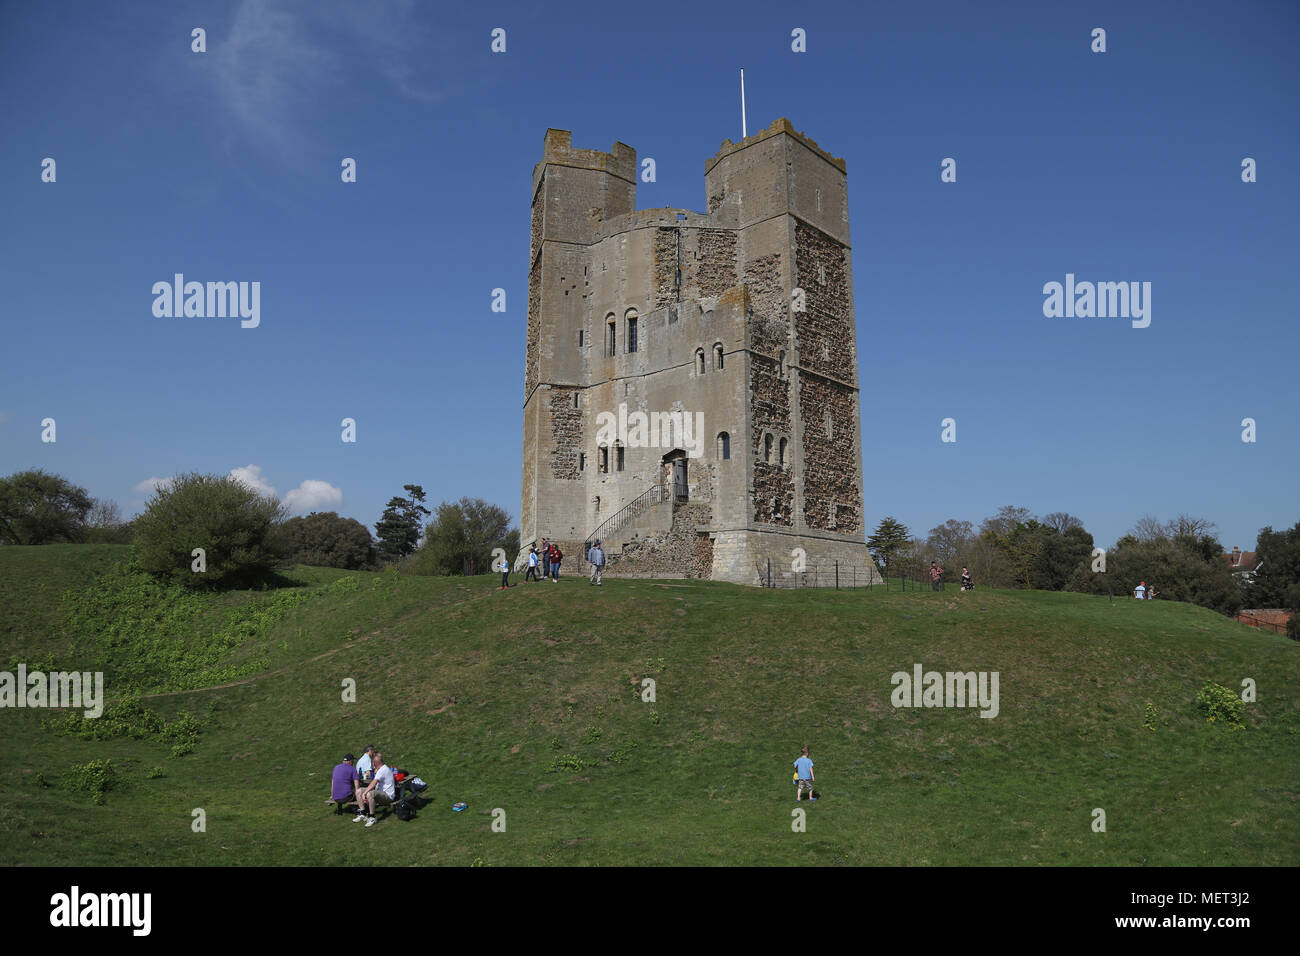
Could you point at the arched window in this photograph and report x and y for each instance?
(767, 448)
(776, 509)
(699, 361)
(630, 317)
(784, 462)
(575, 399)
(602, 461)
(717, 357)
(612, 332)
(724, 446)
(621, 457)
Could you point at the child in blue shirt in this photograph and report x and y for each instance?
(804, 768)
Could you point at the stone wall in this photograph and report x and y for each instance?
(715, 270)
(665, 267)
(566, 434)
(829, 463)
(824, 333)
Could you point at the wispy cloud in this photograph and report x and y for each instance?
(282, 61)
(250, 476)
(150, 485)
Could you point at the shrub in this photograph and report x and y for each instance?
(232, 523)
(323, 539)
(95, 778)
(1221, 705)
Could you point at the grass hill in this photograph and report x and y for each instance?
(529, 700)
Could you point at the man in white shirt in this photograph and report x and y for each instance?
(381, 792)
(365, 764)
(1140, 592)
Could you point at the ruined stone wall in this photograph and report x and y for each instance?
(830, 473)
(566, 434)
(534, 333)
(675, 553)
(715, 262)
(824, 333)
(770, 414)
(665, 267)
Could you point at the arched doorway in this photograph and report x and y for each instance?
(674, 471)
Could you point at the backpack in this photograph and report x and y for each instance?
(404, 811)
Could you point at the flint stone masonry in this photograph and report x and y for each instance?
(777, 217)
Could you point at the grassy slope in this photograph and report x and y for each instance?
(476, 689)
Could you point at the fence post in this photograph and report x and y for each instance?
(837, 575)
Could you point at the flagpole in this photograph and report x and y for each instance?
(744, 131)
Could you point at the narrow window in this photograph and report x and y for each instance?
(575, 399)
(613, 349)
(622, 460)
(767, 448)
(582, 461)
(776, 509)
(597, 504)
(717, 357)
(699, 361)
(631, 331)
(784, 442)
(580, 338)
(724, 446)
(602, 463)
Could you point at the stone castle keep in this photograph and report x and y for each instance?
(740, 319)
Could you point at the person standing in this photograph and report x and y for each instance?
(546, 559)
(936, 573)
(804, 770)
(1140, 592)
(505, 572)
(531, 574)
(556, 556)
(597, 558)
(966, 583)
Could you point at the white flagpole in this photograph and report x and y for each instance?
(744, 131)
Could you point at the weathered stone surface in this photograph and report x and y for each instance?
(718, 345)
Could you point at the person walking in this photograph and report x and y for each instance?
(531, 574)
(597, 558)
(936, 573)
(804, 773)
(556, 556)
(505, 572)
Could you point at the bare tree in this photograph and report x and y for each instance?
(1061, 522)
(948, 539)
(104, 513)
(1149, 529)
(1005, 521)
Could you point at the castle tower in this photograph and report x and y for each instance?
(691, 383)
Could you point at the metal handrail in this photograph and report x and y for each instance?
(651, 496)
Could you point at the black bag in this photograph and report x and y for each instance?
(404, 811)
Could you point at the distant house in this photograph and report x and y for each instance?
(1244, 564)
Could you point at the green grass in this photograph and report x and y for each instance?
(529, 701)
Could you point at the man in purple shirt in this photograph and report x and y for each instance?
(345, 783)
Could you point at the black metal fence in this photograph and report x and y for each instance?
(842, 577)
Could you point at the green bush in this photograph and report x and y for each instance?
(323, 539)
(96, 778)
(1221, 705)
(233, 525)
(127, 717)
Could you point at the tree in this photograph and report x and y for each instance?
(948, 540)
(398, 530)
(104, 524)
(1182, 568)
(1061, 553)
(1061, 522)
(232, 523)
(324, 539)
(461, 537)
(1005, 521)
(1277, 582)
(884, 543)
(37, 507)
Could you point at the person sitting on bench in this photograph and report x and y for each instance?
(381, 792)
(345, 784)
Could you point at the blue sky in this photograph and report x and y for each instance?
(375, 305)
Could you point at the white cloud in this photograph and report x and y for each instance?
(313, 495)
(150, 485)
(250, 476)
